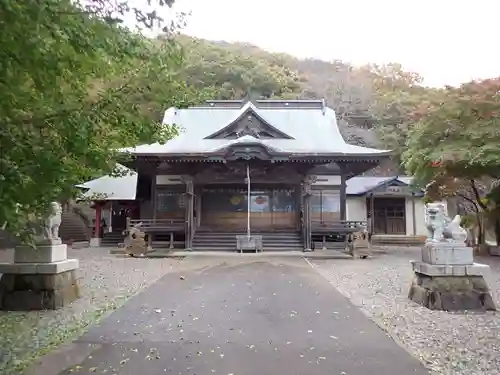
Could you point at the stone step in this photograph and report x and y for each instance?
(233, 249)
(231, 240)
(388, 239)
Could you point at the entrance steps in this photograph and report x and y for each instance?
(205, 240)
(112, 239)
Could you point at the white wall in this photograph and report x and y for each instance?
(419, 217)
(356, 209)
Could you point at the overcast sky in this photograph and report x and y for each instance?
(447, 41)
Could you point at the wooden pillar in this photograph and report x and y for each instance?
(306, 198)
(343, 199)
(98, 216)
(110, 226)
(197, 201)
(372, 214)
(153, 194)
(189, 212)
(414, 214)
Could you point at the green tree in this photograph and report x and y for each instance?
(235, 73)
(454, 147)
(75, 86)
(397, 94)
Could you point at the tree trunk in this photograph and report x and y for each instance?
(480, 231)
(497, 231)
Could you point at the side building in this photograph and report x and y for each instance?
(393, 209)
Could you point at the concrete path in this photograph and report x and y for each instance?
(252, 317)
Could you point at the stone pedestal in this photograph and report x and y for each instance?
(252, 243)
(447, 253)
(39, 279)
(95, 242)
(448, 279)
(495, 251)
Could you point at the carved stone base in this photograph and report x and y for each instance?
(41, 254)
(451, 293)
(494, 250)
(24, 292)
(95, 242)
(252, 243)
(447, 253)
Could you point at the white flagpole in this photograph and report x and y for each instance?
(248, 201)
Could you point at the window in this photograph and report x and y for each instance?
(169, 201)
(325, 205)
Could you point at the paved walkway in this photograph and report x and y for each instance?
(256, 317)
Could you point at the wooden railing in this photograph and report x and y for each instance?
(341, 226)
(157, 225)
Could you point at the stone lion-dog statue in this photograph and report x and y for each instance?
(440, 227)
(135, 242)
(359, 244)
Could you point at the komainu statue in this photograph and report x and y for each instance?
(53, 222)
(359, 243)
(46, 229)
(440, 227)
(135, 243)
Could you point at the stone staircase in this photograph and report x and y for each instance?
(206, 240)
(74, 227)
(112, 239)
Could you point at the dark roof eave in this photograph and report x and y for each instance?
(332, 156)
(367, 193)
(389, 180)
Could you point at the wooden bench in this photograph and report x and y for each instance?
(338, 233)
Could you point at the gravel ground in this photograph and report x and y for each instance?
(447, 343)
(107, 281)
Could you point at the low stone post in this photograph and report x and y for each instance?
(446, 277)
(41, 277)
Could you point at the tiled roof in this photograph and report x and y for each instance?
(112, 188)
(361, 184)
(311, 125)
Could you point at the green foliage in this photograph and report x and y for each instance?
(75, 86)
(234, 73)
(373, 103)
(454, 148)
(458, 135)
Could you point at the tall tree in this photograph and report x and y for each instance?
(70, 77)
(454, 146)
